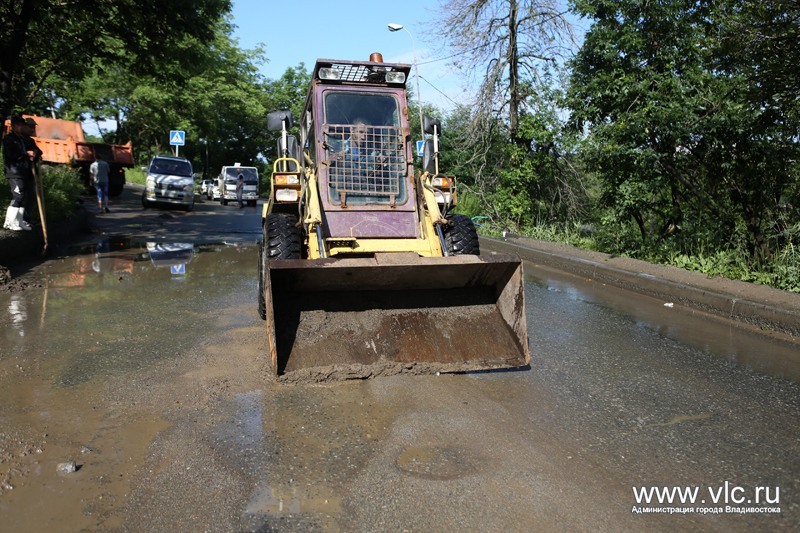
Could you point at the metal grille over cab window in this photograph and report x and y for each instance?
(364, 149)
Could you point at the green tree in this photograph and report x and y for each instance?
(688, 146)
(41, 38)
(511, 143)
(218, 98)
(508, 41)
(286, 93)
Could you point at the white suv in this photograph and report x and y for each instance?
(169, 181)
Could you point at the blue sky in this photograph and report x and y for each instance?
(300, 31)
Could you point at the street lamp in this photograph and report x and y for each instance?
(397, 27)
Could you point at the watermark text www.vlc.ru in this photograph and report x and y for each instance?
(726, 498)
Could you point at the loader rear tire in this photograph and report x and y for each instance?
(280, 239)
(460, 236)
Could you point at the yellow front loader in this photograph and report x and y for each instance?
(364, 269)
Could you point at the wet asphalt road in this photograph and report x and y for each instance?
(155, 382)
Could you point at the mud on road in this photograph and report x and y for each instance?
(194, 431)
(158, 387)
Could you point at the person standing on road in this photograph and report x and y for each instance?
(99, 172)
(18, 157)
(240, 191)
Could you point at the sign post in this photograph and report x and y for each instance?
(177, 138)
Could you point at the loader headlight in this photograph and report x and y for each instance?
(395, 77)
(329, 74)
(442, 197)
(282, 179)
(286, 195)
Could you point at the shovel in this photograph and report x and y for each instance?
(39, 187)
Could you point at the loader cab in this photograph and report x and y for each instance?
(357, 126)
(365, 149)
(356, 135)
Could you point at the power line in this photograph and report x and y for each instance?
(440, 92)
(451, 56)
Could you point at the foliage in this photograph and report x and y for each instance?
(521, 185)
(40, 38)
(218, 99)
(509, 41)
(510, 148)
(688, 142)
(135, 175)
(62, 189)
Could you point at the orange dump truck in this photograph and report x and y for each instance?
(62, 142)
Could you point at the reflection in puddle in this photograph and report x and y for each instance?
(19, 313)
(435, 462)
(770, 353)
(267, 500)
(117, 306)
(174, 256)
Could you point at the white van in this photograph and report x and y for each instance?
(229, 177)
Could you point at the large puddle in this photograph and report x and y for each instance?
(767, 352)
(145, 365)
(81, 347)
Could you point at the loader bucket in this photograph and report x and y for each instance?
(330, 319)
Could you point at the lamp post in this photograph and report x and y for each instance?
(397, 27)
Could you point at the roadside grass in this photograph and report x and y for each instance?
(62, 191)
(63, 188)
(135, 175)
(782, 271)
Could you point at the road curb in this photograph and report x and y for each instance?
(741, 301)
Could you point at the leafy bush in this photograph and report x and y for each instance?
(782, 271)
(62, 189)
(135, 175)
(468, 204)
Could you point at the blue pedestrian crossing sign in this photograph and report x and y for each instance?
(420, 148)
(179, 269)
(177, 138)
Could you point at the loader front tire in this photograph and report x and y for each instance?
(280, 239)
(460, 236)
(262, 298)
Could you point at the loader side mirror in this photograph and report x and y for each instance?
(279, 120)
(428, 124)
(428, 157)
